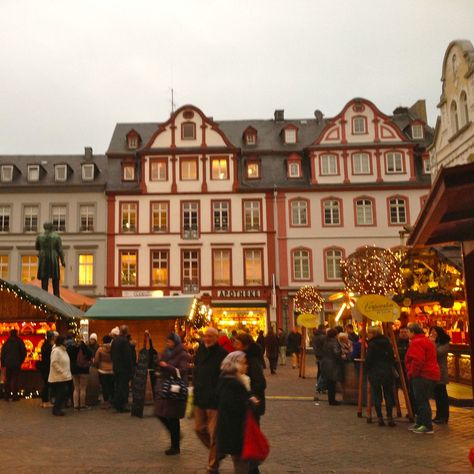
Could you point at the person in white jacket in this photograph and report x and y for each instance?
(59, 375)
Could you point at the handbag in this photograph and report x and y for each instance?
(255, 446)
(173, 388)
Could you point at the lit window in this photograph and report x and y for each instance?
(87, 218)
(190, 271)
(332, 214)
(301, 265)
(29, 268)
(252, 216)
(33, 173)
(30, 223)
(5, 218)
(219, 168)
(190, 220)
(328, 165)
(4, 267)
(159, 170)
(417, 132)
(364, 212)
(394, 162)
(58, 218)
(220, 215)
(221, 267)
(290, 135)
(398, 211)
(128, 172)
(129, 216)
(253, 267)
(333, 264)
(88, 170)
(159, 217)
(60, 172)
(189, 169)
(294, 169)
(128, 268)
(299, 213)
(7, 173)
(253, 170)
(359, 125)
(86, 269)
(159, 268)
(361, 163)
(188, 131)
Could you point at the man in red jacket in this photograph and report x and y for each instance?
(423, 373)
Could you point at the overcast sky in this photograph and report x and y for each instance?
(71, 69)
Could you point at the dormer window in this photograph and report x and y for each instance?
(290, 135)
(133, 140)
(128, 172)
(294, 166)
(60, 173)
(250, 136)
(417, 131)
(7, 173)
(188, 131)
(33, 173)
(88, 170)
(359, 125)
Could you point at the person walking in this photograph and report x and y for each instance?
(12, 356)
(121, 353)
(103, 362)
(272, 350)
(207, 363)
(45, 365)
(294, 345)
(379, 363)
(282, 342)
(261, 342)
(319, 336)
(331, 365)
(173, 363)
(59, 375)
(81, 359)
(441, 340)
(423, 373)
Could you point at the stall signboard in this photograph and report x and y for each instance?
(307, 320)
(378, 308)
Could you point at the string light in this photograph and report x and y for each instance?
(308, 300)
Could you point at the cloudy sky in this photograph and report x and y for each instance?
(71, 69)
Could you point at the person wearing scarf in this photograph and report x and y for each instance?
(173, 359)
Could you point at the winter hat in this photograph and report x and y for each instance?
(230, 363)
(93, 336)
(115, 331)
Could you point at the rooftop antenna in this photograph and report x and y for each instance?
(173, 105)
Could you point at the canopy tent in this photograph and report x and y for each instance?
(71, 297)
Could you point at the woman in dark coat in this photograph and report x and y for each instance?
(272, 350)
(261, 342)
(441, 340)
(379, 363)
(331, 365)
(173, 359)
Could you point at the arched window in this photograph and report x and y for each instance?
(454, 117)
(463, 109)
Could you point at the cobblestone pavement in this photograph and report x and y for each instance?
(305, 437)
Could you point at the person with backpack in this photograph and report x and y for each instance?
(81, 359)
(12, 356)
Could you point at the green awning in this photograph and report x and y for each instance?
(166, 307)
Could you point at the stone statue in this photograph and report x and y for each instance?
(50, 250)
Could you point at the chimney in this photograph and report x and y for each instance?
(419, 109)
(279, 115)
(88, 153)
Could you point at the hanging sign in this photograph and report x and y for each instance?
(378, 308)
(307, 320)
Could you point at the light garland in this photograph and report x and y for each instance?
(308, 300)
(372, 271)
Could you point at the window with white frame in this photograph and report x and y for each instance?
(253, 267)
(132, 142)
(128, 172)
(159, 267)
(328, 165)
(299, 212)
(398, 211)
(190, 219)
(361, 163)
(86, 269)
(29, 268)
(250, 139)
(7, 173)
(4, 267)
(129, 211)
(364, 212)
(220, 215)
(58, 218)
(301, 264)
(333, 264)
(394, 162)
(88, 171)
(252, 216)
(219, 169)
(159, 170)
(190, 271)
(427, 165)
(86, 214)
(417, 131)
(332, 212)
(290, 135)
(294, 169)
(60, 173)
(33, 173)
(221, 267)
(30, 218)
(189, 169)
(128, 267)
(359, 125)
(159, 217)
(5, 212)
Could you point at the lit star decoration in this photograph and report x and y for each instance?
(372, 271)
(308, 300)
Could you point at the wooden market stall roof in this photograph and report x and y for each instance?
(71, 297)
(27, 302)
(165, 307)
